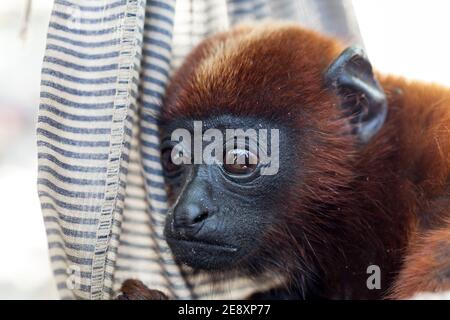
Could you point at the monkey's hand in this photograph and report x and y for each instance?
(136, 290)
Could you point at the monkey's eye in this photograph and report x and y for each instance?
(170, 168)
(240, 162)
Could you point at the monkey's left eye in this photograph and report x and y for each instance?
(240, 162)
(170, 168)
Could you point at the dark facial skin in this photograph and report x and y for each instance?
(220, 212)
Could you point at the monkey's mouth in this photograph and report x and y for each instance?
(204, 244)
(201, 254)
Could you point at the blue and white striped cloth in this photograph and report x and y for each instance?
(100, 183)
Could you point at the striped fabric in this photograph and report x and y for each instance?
(100, 182)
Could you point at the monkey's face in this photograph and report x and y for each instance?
(222, 201)
(260, 215)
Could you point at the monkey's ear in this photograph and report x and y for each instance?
(350, 75)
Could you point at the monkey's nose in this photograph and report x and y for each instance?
(190, 216)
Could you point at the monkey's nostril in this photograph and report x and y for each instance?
(201, 217)
(191, 215)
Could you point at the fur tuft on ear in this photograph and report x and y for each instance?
(350, 75)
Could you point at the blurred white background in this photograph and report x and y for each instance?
(407, 37)
(24, 265)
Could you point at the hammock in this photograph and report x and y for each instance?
(100, 184)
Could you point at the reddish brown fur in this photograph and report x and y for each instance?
(387, 204)
(136, 290)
